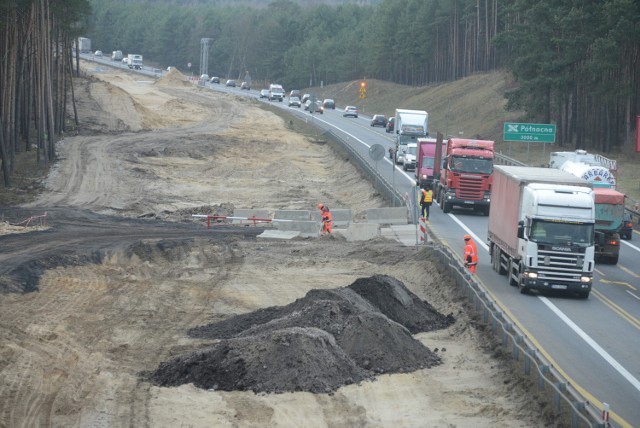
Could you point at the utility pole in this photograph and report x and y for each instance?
(204, 55)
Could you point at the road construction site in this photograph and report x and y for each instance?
(124, 309)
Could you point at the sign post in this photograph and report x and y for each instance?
(530, 133)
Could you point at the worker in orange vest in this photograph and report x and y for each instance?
(426, 200)
(327, 218)
(470, 254)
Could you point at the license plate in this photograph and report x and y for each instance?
(469, 202)
(558, 286)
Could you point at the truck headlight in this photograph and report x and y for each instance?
(531, 275)
(585, 279)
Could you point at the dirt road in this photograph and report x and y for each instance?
(116, 285)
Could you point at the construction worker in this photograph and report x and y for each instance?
(426, 199)
(470, 254)
(327, 218)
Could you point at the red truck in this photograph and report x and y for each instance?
(425, 161)
(466, 175)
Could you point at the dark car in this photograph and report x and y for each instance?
(379, 120)
(294, 93)
(215, 79)
(245, 85)
(264, 93)
(231, 83)
(626, 231)
(329, 103)
(305, 98)
(391, 124)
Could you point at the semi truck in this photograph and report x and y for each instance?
(84, 44)
(541, 233)
(465, 180)
(609, 203)
(409, 126)
(135, 61)
(425, 161)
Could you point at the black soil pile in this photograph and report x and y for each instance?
(318, 343)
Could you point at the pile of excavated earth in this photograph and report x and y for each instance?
(328, 339)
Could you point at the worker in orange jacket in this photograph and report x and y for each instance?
(470, 254)
(327, 219)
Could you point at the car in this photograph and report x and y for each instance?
(204, 77)
(231, 83)
(305, 98)
(294, 101)
(169, 68)
(245, 85)
(309, 106)
(379, 120)
(350, 111)
(294, 93)
(626, 231)
(390, 124)
(264, 93)
(329, 103)
(215, 79)
(98, 53)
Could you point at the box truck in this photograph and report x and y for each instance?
(541, 232)
(409, 126)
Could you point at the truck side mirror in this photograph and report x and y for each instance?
(521, 229)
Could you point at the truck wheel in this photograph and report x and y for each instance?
(524, 290)
(614, 260)
(512, 282)
(446, 207)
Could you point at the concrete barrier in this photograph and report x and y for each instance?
(307, 229)
(299, 215)
(361, 231)
(390, 215)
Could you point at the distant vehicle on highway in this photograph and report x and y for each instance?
(264, 93)
(294, 101)
(305, 98)
(626, 231)
(390, 124)
(231, 83)
(98, 53)
(329, 103)
(294, 93)
(215, 79)
(204, 77)
(379, 120)
(116, 56)
(245, 85)
(350, 111)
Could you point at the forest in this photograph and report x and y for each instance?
(574, 62)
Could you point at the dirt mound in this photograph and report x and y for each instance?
(173, 78)
(318, 343)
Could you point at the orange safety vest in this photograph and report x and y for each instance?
(470, 250)
(427, 196)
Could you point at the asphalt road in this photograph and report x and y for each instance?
(594, 343)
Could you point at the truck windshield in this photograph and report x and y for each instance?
(427, 162)
(482, 166)
(560, 233)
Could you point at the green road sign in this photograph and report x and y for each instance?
(530, 132)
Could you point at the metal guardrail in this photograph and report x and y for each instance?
(367, 167)
(570, 408)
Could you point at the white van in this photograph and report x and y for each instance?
(276, 92)
(410, 155)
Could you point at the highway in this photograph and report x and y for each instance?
(594, 342)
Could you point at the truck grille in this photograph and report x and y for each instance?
(559, 265)
(470, 188)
